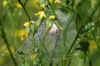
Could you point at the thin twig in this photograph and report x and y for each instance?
(29, 18)
(7, 45)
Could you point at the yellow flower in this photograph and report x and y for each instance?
(92, 44)
(34, 56)
(41, 14)
(18, 5)
(22, 34)
(51, 1)
(42, 6)
(26, 24)
(55, 1)
(52, 17)
(5, 2)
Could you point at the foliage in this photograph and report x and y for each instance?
(49, 32)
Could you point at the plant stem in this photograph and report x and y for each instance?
(7, 45)
(23, 6)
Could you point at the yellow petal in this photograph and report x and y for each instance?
(42, 15)
(51, 1)
(52, 17)
(34, 56)
(18, 5)
(22, 34)
(57, 1)
(26, 24)
(5, 2)
(42, 5)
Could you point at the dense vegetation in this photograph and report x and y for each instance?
(49, 32)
